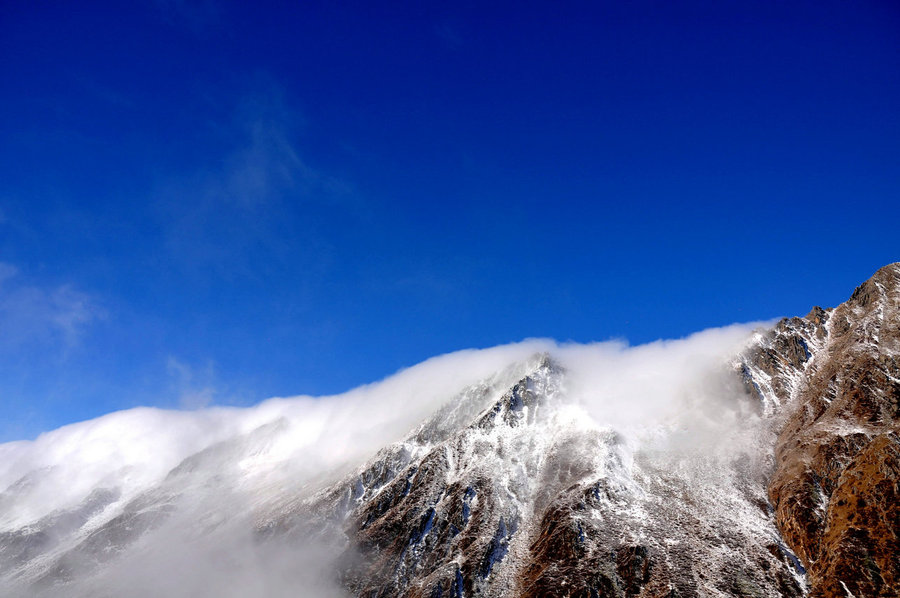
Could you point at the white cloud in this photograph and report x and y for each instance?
(40, 315)
(325, 433)
(450, 35)
(655, 383)
(7, 271)
(253, 199)
(195, 388)
(198, 15)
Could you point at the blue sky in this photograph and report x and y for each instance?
(213, 203)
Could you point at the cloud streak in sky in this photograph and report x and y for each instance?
(251, 208)
(51, 317)
(195, 387)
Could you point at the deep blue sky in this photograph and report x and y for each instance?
(223, 201)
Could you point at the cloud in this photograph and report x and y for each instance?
(450, 35)
(679, 395)
(670, 396)
(249, 206)
(328, 432)
(7, 271)
(198, 15)
(195, 388)
(45, 316)
(269, 164)
(652, 384)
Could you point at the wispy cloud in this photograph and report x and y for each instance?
(51, 316)
(254, 201)
(198, 15)
(450, 35)
(195, 388)
(7, 271)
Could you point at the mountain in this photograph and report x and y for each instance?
(746, 461)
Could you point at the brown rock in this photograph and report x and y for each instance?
(835, 486)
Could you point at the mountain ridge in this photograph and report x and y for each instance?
(766, 469)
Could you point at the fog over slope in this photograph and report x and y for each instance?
(136, 448)
(198, 484)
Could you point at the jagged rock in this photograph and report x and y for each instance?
(837, 441)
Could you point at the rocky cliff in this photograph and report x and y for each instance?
(834, 377)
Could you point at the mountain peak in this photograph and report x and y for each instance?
(528, 482)
(885, 283)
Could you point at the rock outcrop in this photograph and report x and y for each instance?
(836, 486)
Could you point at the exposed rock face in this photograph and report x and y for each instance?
(512, 489)
(835, 486)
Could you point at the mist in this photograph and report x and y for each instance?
(683, 391)
(217, 468)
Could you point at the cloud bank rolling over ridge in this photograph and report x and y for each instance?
(666, 396)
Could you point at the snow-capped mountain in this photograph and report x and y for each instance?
(746, 461)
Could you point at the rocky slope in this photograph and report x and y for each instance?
(777, 475)
(836, 485)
